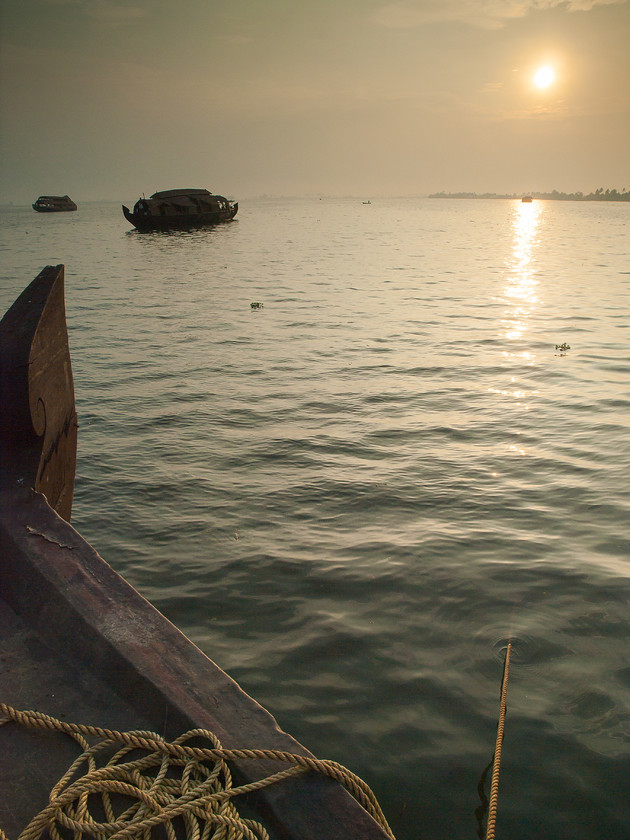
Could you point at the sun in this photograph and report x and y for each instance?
(544, 76)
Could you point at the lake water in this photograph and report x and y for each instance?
(352, 497)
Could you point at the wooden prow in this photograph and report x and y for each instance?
(38, 420)
(77, 638)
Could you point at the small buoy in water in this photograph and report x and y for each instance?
(256, 305)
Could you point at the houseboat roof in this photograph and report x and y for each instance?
(172, 193)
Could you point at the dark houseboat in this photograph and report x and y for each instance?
(173, 209)
(54, 204)
(80, 648)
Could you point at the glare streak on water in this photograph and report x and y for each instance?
(353, 497)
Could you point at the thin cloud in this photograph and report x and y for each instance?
(104, 10)
(410, 14)
(555, 111)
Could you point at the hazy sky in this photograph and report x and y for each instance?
(113, 98)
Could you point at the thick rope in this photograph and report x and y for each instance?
(496, 768)
(167, 781)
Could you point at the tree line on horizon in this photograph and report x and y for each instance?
(599, 195)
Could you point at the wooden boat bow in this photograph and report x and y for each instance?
(78, 641)
(38, 421)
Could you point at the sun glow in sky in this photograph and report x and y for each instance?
(544, 76)
(390, 97)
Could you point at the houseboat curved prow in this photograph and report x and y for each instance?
(187, 208)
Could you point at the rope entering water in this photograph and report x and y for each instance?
(496, 768)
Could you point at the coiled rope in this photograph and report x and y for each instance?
(168, 780)
(496, 766)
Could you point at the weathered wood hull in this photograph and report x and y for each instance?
(38, 421)
(77, 641)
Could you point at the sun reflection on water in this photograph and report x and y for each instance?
(520, 299)
(521, 288)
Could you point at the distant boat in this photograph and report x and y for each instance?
(527, 199)
(54, 204)
(173, 209)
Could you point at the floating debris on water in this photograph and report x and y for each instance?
(256, 305)
(563, 348)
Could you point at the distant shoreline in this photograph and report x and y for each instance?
(598, 195)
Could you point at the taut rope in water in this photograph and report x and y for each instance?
(494, 787)
(168, 780)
